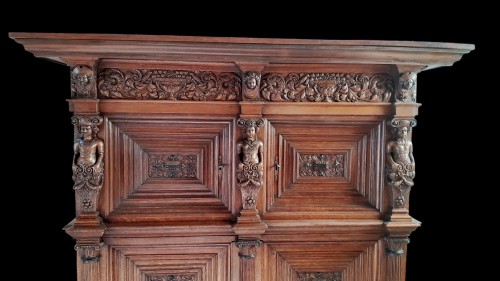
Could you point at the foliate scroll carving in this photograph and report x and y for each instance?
(172, 166)
(319, 276)
(172, 278)
(327, 87)
(158, 84)
(83, 82)
(250, 171)
(89, 253)
(395, 245)
(88, 164)
(407, 87)
(400, 164)
(321, 165)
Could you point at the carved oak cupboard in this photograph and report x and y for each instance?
(199, 158)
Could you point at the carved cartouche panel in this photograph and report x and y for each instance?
(88, 164)
(400, 164)
(158, 84)
(327, 87)
(250, 152)
(319, 276)
(407, 87)
(321, 165)
(83, 82)
(172, 278)
(172, 166)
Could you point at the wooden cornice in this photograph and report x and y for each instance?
(70, 48)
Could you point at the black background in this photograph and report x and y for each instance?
(450, 194)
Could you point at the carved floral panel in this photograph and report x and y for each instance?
(172, 278)
(321, 165)
(319, 276)
(159, 84)
(172, 166)
(327, 87)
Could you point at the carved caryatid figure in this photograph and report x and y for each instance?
(400, 163)
(250, 156)
(88, 165)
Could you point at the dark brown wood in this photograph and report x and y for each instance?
(246, 159)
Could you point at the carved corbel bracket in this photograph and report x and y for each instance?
(407, 87)
(247, 248)
(89, 253)
(400, 164)
(396, 246)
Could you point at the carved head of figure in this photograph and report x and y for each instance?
(87, 126)
(402, 132)
(250, 127)
(81, 75)
(401, 128)
(407, 86)
(252, 79)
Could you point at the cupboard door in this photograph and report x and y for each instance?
(327, 168)
(165, 169)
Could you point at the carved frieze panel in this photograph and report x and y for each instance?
(327, 87)
(172, 166)
(319, 276)
(159, 84)
(321, 165)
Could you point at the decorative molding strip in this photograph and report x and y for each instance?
(319, 276)
(327, 87)
(395, 245)
(172, 166)
(400, 164)
(250, 172)
(88, 164)
(321, 165)
(407, 87)
(89, 253)
(83, 82)
(158, 84)
(172, 278)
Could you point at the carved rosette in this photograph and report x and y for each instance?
(83, 82)
(407, 87)
(159, 84)
(89, 253)
(88, 164)
(250, 173)
(251, 81)
(327, 87)
(319, 276)
(400, 164)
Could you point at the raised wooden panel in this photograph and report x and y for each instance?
(169, 168)
(299, 261)
(328, 168)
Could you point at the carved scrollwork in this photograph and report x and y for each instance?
(247, 248)
(83, 82)
(172, 166)
(400, 164)
(319, 276)
(88, 164)
(327, 87)
(250, 173)
(407, 87)
(395, 245)
(158, 84)
(89, 253)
